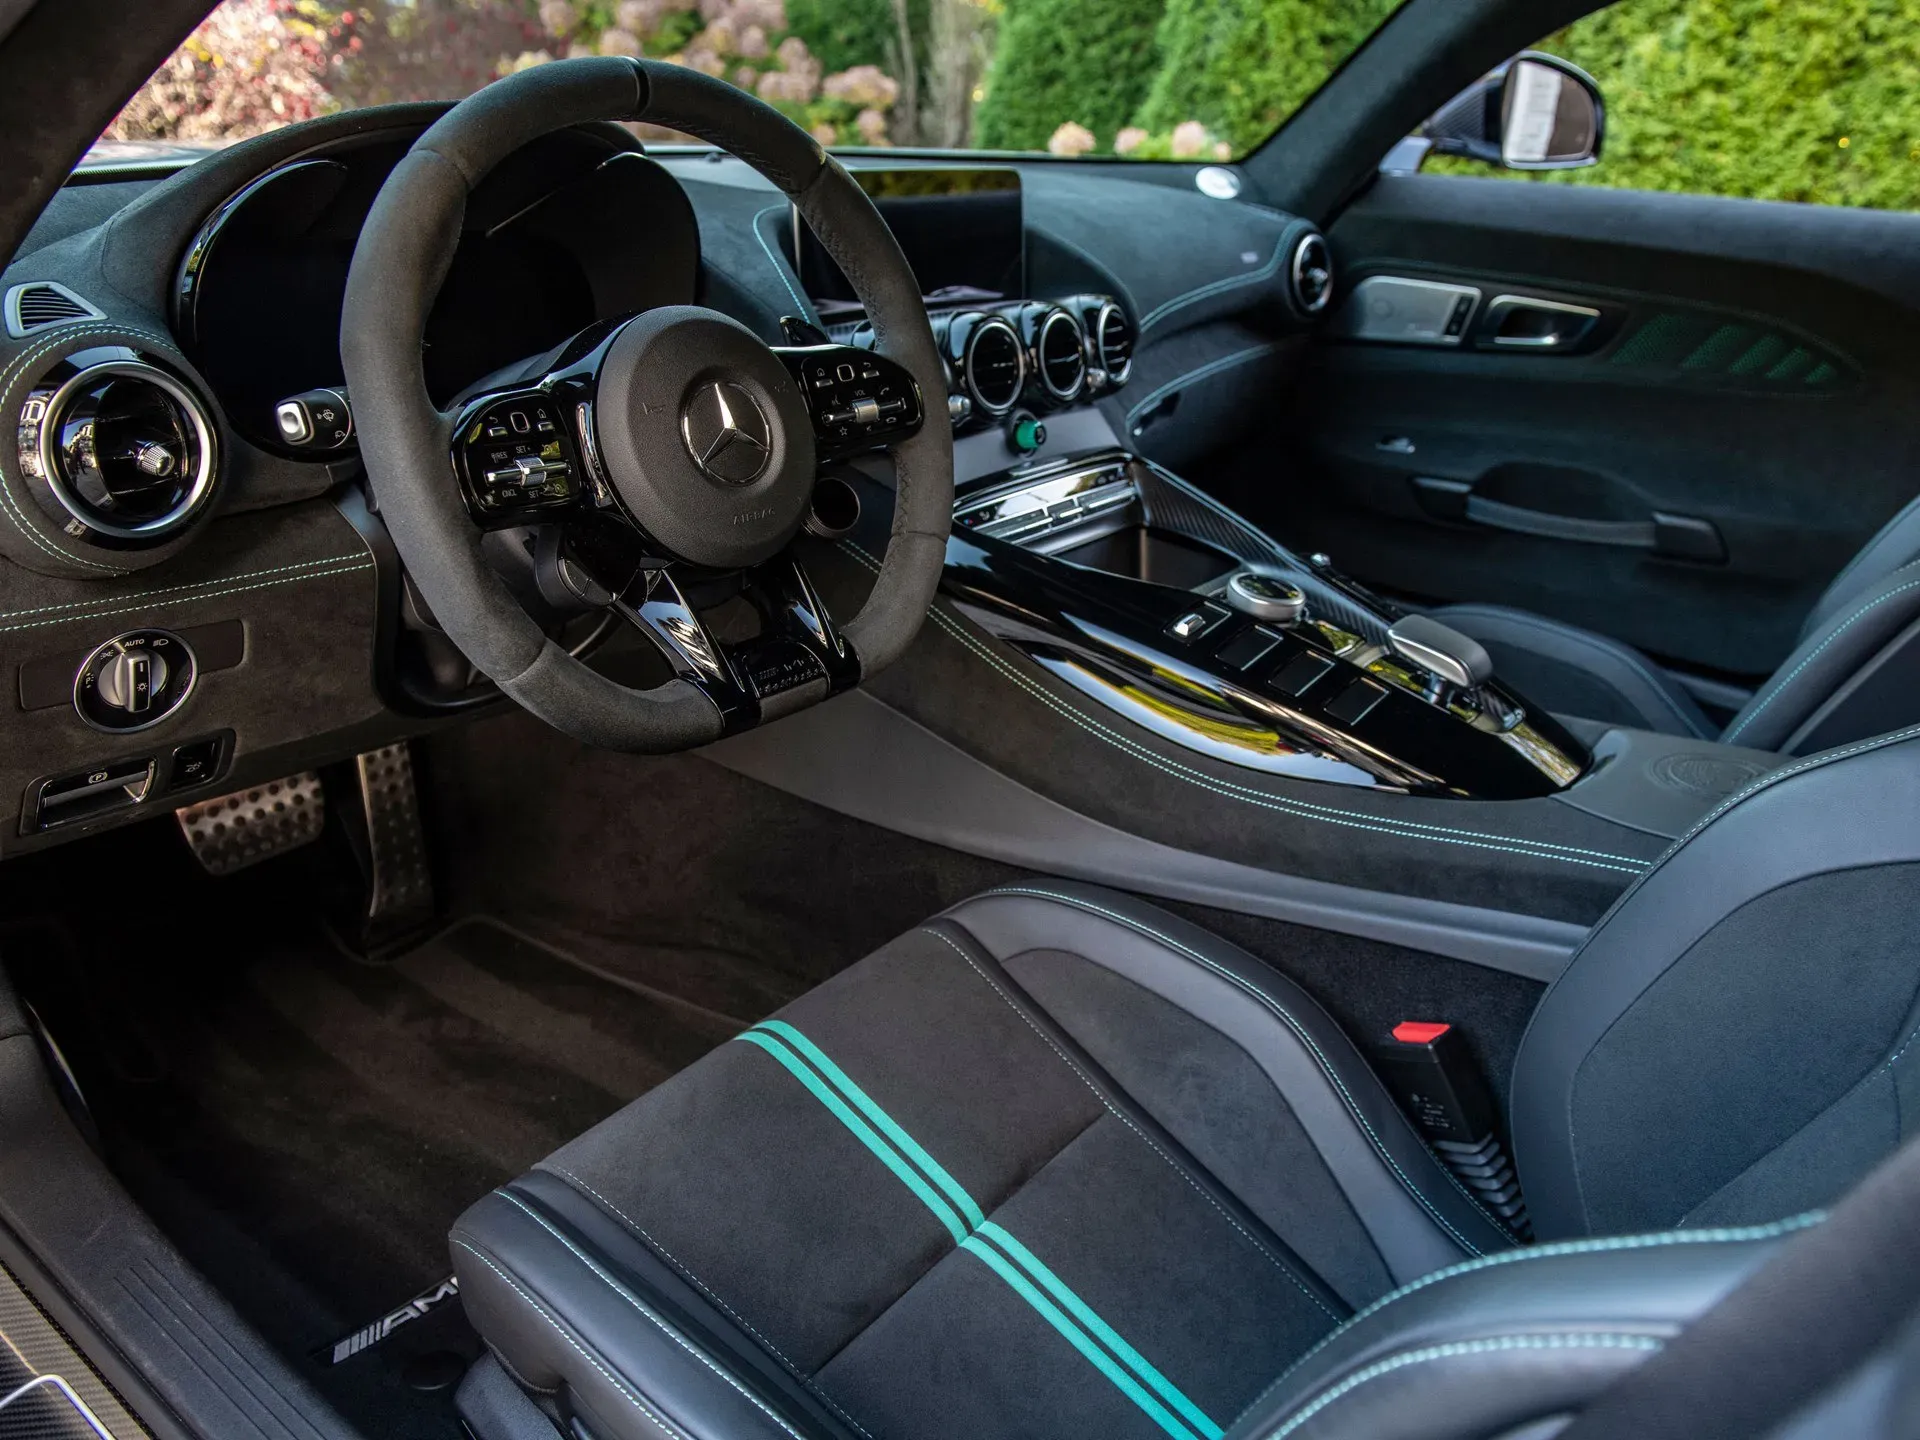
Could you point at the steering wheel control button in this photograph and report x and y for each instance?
(1199, 622)
(1265, 598)
(726, 433)
(1300, 675)
(857, 402)
(134, 680)
(514, 459)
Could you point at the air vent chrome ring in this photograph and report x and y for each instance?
(1113, 342)
(172, 438)
(1310, 274)
(987, 390)
(1052, 349)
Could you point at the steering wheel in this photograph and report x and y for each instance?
(669, 448)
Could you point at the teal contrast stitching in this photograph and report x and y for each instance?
(1299, 809)
(1212, 367)
(1646, 1343)
(1142, 1135)
(1232, 282)
(1780, 686)
(974, 1237)
(779, 265)
(1078, 1338)
(1105, 1333)
(1656, 1240)
(1300, 1033)
(863, 1132)
(880, 1120)
(647, 1312)
(546, 1315)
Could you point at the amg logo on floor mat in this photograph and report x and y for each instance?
(367, 1336)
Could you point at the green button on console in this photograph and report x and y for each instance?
(1028, 436)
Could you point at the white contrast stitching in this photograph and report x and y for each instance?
(1300, 1032)
(1299, 809)
(542, 1311)
(665, 1329)
(701, 1285)
(1780, 686)
(1659, 1239)
(1493, 1345)
(354, 568)
(9, 504)
(83, 608)
(1145, 1139)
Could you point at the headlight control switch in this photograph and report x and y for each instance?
(134, 680)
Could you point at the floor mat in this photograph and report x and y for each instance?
(306, 1126)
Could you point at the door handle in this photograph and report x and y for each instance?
(1522, 322)
(1679, 537)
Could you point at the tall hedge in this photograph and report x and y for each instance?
(1770, 99)
(1242, 66)
(1085, 61)
(845, 33)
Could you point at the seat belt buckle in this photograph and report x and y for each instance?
(1428, 1067)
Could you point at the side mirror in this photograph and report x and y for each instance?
(1536, 112)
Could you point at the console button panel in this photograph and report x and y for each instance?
(515, 457)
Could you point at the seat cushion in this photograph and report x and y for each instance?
(1055, 1163)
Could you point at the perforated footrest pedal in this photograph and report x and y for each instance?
(234, 831)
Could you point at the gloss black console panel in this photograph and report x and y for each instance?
(1112, 576)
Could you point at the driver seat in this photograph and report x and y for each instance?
(1058, 1163)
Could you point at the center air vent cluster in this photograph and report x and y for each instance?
(1036, 354)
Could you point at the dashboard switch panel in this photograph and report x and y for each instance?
(134, 680)
(114, 785)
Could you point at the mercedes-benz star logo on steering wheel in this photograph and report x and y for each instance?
(726, 433)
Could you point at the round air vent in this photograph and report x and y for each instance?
(1113, 342)
(1310, 276)
(123, 447)
(1059, 352)
(994, 365)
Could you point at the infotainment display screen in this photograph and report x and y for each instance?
(960, 230)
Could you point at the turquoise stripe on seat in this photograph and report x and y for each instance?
(862, 1131)
(1087, 1316)
(1019, 1267)
(956, 1195)
(1079, 1339)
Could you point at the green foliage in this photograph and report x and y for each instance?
(1763, 99)
(845, 33)
(1240, 67)
(1085, 61)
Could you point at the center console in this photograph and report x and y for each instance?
(1149, 597)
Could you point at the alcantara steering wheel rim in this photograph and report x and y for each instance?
(625, 461)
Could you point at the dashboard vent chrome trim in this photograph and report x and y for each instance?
(1059, 353)
(1310, 274)
(987, 383)
(40, 304)
(1113, 342)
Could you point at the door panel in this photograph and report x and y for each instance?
(1686, 473)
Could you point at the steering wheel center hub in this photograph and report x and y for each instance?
(705, 437)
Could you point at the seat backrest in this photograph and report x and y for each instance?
(1855, 670)
(1736, 1040)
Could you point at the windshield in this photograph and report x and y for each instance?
(1144, 79)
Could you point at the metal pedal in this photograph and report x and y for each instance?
(235, 831)
(399, 890)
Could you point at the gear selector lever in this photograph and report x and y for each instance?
(1441, 650)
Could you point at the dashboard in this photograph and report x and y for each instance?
(196, 591)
